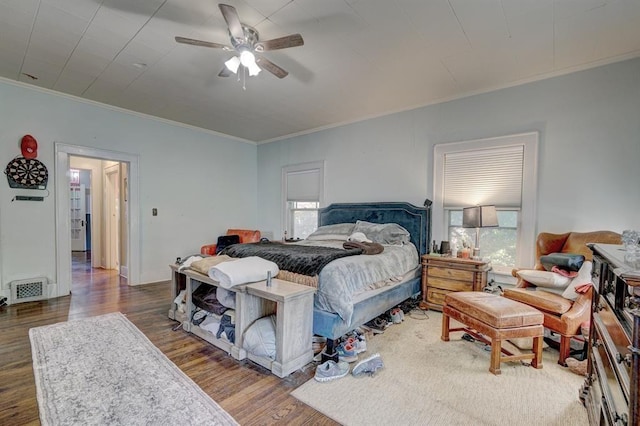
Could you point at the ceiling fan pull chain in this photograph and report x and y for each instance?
(244, 78)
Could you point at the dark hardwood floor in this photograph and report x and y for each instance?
(250, 393)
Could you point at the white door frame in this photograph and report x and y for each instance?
(63, 227)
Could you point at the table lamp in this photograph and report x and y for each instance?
(479, 217)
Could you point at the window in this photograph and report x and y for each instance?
(302, 188)
(497, 171)
(303, 218)
(497, 244)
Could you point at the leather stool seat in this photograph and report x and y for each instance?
(495, 311)
(498, 318)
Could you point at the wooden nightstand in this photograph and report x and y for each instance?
(442, 275)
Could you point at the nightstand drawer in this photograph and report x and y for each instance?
(436, 296)
(451, 285)
(452, 274)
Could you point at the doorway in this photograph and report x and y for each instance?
(96, 207)
(126, 246)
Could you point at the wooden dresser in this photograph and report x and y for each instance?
(610, 392)
(442, 275)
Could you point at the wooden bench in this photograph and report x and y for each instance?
(498, 318)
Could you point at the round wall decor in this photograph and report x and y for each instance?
(27, 173)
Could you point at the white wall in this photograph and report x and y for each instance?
(201, 183)
(589, 152)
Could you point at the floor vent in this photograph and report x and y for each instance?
(28, 290)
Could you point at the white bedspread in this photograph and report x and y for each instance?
(343, 279)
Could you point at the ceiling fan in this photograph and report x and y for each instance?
(245, 41)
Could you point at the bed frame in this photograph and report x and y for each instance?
(416, 220)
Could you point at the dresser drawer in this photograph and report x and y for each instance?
(613, 405)
(611, 337)
(450, 273)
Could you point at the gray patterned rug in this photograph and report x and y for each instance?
(104, 371)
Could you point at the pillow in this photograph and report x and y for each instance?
(584, 277)
(383, 233)
(226, 241)
(359, 237)
(260, 337)
(566, 261)
(338, 231)
(544, 278)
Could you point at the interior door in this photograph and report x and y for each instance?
(78, 217)
(112, 217)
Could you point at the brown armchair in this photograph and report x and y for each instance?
(246, 236)
(561, 315)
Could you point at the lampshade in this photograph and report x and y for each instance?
(233, 64)
(479, 217)
(248, 60)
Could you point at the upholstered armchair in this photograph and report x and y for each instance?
(561, 315)
(246, 236)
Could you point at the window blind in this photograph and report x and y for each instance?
(484, 176)
(303, 185)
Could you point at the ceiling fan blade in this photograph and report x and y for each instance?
(201, 43)
(224, 72)
(271, 67)
(233, 21)
(292, 40)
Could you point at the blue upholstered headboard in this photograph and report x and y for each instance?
(416, 220)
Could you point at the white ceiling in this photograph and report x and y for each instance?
(361, 58)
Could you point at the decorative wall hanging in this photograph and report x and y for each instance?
(26, 172)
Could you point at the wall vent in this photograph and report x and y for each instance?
(28, 290)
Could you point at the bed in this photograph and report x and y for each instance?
(416, 220)
(346, 295)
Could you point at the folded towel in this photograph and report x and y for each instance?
(367, 248)
(207, 263)
(242, 271)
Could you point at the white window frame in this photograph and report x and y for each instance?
(525, 252)
(297, 168)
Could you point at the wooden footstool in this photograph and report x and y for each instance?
(498, 318)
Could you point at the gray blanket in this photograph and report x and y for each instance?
(304, 260)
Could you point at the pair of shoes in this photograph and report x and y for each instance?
(378, 324)
(347, 352)
(331, 370)
(368, 366)
(358, 342)
(397, 316)
(468, 337)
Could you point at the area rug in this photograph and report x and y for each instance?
(104, 371)
(426, 381)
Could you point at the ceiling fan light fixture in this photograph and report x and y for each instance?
(247, 58)
(233, 64)
(254, 70)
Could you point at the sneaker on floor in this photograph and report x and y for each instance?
(368, 366)
(361, 344)
(358, 342)
(397, 316)
(347, 352)
(331, 370)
